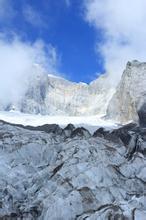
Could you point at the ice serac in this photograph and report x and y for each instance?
(130, 96)
(52, 95)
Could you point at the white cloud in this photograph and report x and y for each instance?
(16, 62)
(124, 27)
(33, 16)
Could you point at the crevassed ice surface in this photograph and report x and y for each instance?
(45, 177)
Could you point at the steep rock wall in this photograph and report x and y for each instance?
(130, 94)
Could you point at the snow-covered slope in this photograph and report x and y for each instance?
(89, 122)
(130, 94)
(48, 94)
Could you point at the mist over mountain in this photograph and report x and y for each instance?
(48, 94)
(53, 95)
(17, 61)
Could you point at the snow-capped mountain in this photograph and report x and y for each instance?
(130, 95)
(52, 95)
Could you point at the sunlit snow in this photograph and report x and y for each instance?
(90, 122)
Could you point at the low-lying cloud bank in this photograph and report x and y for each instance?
(124, 30)
(17, 59)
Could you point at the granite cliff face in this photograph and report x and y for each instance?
(130, 94)
(57, 96)
(48, 94)
(52, 95)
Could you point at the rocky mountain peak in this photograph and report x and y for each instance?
(49, 94)
(52, 95)
(130, 94)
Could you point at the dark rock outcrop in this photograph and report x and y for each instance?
(142, 115)
(132, 136)
(120, 135)
(48, 128)
(80, 132)
(100, 133)
(68, 130)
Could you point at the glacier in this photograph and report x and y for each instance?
(51, 173)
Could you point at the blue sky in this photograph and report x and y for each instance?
(75, 38)
(61, 24)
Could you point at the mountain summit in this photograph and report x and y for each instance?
(130, 94)
(51, 95)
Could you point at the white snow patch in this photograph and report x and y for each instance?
(89, 122)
